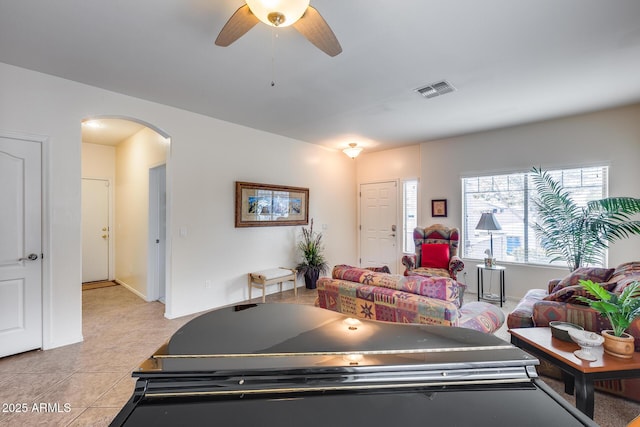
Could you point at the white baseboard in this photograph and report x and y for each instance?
(56, 344)
(135, 291)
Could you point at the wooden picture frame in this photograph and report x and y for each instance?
(265, 205)
(439, 207)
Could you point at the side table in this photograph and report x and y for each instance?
(481, 269)
(579, 375)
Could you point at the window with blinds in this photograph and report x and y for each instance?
(409, 213)
(508, 196)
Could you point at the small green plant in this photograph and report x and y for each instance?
(313, 262)
(620, 309)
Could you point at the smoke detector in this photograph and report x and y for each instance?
(435, 89)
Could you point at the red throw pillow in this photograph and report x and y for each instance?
(435, 255)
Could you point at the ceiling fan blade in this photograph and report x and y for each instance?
(240, 22)
(313, 26)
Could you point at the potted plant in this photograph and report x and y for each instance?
(620, 310)
(580, 235)
(313, 262)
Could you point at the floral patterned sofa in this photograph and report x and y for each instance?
(541, 306)
(404, 299)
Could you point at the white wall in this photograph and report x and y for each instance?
(611, 137)
(212, 248)
(390, 165)
(399, 163)
(134, 157)
(99, 162)
(207, 157)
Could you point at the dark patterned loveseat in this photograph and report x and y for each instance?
(541, 306)
(363, 293)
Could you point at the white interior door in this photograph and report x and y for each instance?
(20, 246)
(95, 230)
(379, 224)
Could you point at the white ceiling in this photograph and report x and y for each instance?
(511, 62)
(111, 131)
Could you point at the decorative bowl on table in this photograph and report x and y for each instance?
(560, 330)
(587, 341)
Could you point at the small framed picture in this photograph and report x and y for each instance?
(439, 207)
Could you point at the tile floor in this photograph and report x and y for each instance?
(86, 384)
(93, 378)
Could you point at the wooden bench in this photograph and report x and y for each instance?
(261, 279)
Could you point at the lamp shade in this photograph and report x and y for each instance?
(352, 151)
(278, 13)
(488, 222)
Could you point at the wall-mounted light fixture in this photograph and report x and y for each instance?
(353, 150)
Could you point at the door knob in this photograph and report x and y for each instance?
(30, 257)
(104, 228)
(104, 236)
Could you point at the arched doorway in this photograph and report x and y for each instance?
(126, 154)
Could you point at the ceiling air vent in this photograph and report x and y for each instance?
(435, 89)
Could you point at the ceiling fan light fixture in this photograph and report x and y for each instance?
(278, 13)
(353, 150)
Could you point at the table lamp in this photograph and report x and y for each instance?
(488, 222)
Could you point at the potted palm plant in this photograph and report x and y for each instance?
(580, 235)
(313, 262)
(620, 310)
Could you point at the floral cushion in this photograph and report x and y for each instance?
(547, 311)
(378, 303)
(623, 283)
(626, 269)
(569, 294)
(521, 316)
(481, 316)
(426, 271)
(442, 288)
(598, 275)
(625, 274)
(383, 269)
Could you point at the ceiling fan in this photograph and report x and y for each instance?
(281, 13)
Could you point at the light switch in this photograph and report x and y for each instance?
(183, 231)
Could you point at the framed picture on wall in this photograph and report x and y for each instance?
(264, 205)
(438, 207)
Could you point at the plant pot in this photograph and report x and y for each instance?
(310, 279)
(622, 346)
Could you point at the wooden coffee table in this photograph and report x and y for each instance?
(578, 374)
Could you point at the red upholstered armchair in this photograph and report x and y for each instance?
(436, 252)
